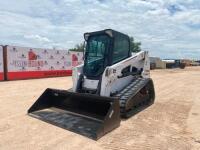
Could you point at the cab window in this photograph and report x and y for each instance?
(121, 49)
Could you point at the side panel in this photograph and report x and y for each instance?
(25, 63)
(110, 78)
(146, 66)
(1, 64)
(76, 73)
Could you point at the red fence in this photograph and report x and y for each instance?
(25, 63)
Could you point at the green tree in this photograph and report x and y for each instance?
(135, 46)
(78, 48)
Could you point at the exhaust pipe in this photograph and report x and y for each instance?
(90, 115)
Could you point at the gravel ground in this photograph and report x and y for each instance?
(173, 122)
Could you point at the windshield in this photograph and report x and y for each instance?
(95, 61)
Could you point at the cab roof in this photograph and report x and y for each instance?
(112, 33)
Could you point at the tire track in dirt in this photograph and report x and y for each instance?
(164, 125)
(161, 127)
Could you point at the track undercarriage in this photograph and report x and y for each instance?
(138, 95)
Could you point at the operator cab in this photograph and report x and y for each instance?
(104, 48)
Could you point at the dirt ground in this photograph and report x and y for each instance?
(173, 122)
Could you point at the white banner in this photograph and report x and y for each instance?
(24, 59)
(30, 59)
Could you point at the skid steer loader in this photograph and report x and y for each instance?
(111, 84)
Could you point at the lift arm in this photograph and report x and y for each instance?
(112, 73)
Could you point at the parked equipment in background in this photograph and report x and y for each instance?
(170, 63)
(111, 83)
(179, 64)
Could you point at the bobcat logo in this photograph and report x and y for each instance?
(32, 55)
(14, 49)
(74, 60)
(57, 52)
(51, 57)
(45, 51)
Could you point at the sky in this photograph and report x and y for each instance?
(166, 28)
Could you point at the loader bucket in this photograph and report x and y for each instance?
(86, 114)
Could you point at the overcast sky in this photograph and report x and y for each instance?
(167, 28)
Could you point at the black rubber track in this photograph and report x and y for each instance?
(137, 96)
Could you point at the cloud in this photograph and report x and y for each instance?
(37, 38)
(165, 28)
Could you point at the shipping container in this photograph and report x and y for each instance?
(1, 64)
(157, 63)
(25, 63)
(152, 66)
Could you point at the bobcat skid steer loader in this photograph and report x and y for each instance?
(111, 84)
